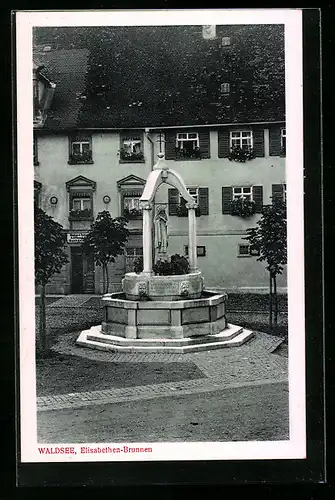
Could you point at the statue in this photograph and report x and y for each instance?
(161, 230)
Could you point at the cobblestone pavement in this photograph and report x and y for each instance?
(251, 364)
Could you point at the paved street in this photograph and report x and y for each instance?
(258, 412)
(227, 394)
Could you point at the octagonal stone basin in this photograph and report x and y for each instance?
(176, 287)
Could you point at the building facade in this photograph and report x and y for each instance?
(81, 170)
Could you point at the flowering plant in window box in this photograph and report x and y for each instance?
(182, 210)
(241, 154)
(188, 153)
(243, 208)
(129, 156)
(84, 157)
(133, 213)
(86, 213)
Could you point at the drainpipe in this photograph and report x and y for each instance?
(147, 131)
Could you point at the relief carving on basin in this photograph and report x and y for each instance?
(176, 287)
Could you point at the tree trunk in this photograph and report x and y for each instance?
(107, 278)
(42, 339)
(275, 300)
(271, 303)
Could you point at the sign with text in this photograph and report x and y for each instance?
(76, 237)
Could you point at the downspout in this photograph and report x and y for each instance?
(147, 131)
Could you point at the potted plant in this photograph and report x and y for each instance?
(86, 213)
(132, 213)
(84, 157)
(241, 154)
(129, 156)
(243, 207)
(188, 154)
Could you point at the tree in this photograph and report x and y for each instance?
(50, 257)
(270, 239)
(105, 241)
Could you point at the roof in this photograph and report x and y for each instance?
(156, 76)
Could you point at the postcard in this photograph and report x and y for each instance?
(161, 235)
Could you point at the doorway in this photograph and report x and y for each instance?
(82, 272)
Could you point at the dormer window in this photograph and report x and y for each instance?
(225, 41)
(80, 146)
(225, 88)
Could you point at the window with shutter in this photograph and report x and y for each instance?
(223, 143)
(258, 142)
(187, 145)
(257, 196)
(278, 192)
(227, 198)
(131, 147)
(173, 197)
(203, 200)
(274, 141)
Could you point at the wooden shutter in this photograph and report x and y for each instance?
(258, 139)
(204, 144)
(274, 141)
(223, 140)
(227, 198)
(203, 201)
(170, 145)
(173, 196)
(277, 192)
(257, 196)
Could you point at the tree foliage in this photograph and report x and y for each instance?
(269, 237)
(106, 240)
(50, 255)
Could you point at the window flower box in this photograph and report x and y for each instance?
(133, 213)
(85, 214)
(84, 157)
(241, 154)
(182, 211)
(243, 208)
(188, 154)
(131, 157)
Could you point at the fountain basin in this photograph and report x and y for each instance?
(175, 319)
(157, 288)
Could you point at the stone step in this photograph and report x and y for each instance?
(117, 344)
(229, 333)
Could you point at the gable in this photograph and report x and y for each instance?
(80, 182)
(132, 181)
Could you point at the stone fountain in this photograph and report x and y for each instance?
(164, 313)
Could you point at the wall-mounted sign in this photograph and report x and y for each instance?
(76, 236)
(53, 200)
(106, 199)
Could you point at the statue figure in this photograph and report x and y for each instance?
(161, 230)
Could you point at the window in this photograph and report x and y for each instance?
(284, 193)
(243, 250)
(283, 140)
(225, 88)
(80, 149)
(131, 149)
(201, 251)
(242, 192)
(241, 139)
(134, 252)
(194, 192)
(81, 207)
(187, 145)
(225, 41)
(131, 206)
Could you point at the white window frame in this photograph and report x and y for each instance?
(233, 139)
(132, 142)
(195, 195)
(226, 41)
(245, 190)
(81, 200)
(133, 205)
(80, 146)
(180, 140)
(240, 245)
(284, 193)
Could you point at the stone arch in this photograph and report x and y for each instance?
(160, 176)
